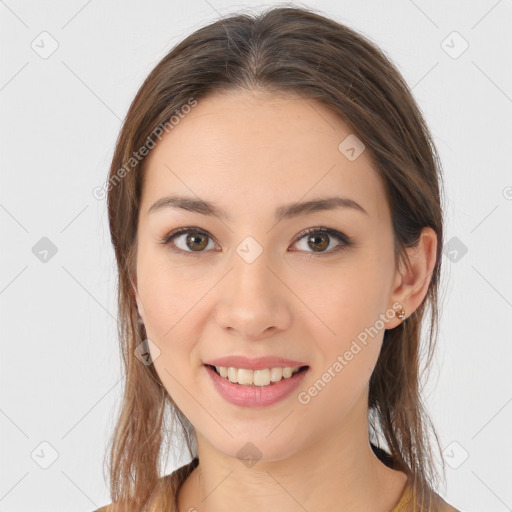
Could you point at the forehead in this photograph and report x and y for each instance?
(256, 151)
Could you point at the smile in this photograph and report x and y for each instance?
(251, 394)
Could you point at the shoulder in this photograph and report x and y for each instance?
(172, 480)
(438, 503)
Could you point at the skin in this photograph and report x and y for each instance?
(250, 153)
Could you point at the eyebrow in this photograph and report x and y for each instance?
(283, 212)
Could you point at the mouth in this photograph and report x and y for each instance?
(245, 388)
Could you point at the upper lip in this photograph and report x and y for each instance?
(258, 363)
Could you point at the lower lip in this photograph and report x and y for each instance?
(254, 396)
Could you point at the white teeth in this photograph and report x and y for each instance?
(276, 374)
(256, 377)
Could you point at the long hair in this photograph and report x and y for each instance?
(283, 50)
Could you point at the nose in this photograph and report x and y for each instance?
(252, 300)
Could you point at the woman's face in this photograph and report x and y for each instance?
(249, 284)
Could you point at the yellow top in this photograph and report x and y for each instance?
(401, 506)
(404, 503)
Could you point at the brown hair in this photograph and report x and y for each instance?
(297, 51)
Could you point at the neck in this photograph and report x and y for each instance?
(335, 472)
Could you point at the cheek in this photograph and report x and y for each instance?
(353, 350)
(173, 297)
(347, 297)
(350, 302)
(350, 340)
(165, 294)
(169, 314)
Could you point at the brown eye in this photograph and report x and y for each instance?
(319, 239)
(194, 241)
(188, 240)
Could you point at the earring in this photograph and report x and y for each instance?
(400, 313)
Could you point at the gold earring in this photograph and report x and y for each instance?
(400, 313)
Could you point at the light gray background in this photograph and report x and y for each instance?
(60, 115)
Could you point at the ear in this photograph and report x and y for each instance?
(412, 278)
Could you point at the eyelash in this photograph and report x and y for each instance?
(344, 239)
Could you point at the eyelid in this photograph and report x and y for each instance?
(345, 240)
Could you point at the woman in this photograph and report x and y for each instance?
(274, 206)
